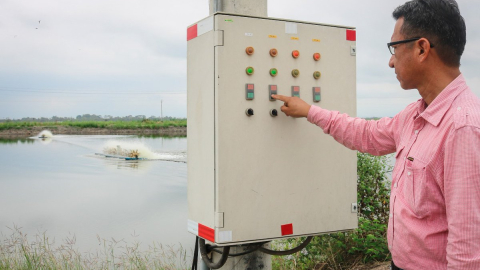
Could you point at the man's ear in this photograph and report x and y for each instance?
(424, 46)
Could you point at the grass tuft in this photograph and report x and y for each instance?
(41, 252)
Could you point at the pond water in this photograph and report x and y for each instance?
(59, 187)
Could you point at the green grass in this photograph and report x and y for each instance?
(144, 124)
(17, 251)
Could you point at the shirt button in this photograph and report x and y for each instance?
(389, 247)
(391, 215)
(416, 131)
(409, 173)
(395, 185)
(459, 108)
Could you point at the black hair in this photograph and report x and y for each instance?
(440, 22)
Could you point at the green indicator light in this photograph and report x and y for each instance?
(250, 95)
(273, 72)
(249, 70)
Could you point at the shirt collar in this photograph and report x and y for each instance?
(438, 107)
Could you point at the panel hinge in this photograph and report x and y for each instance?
(218, 38)
(219, 220)
(353, 50)
(354, 207)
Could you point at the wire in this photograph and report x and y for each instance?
(226, 252)
(255, 248)
(195, 255)
(286, 252)
(208, 261)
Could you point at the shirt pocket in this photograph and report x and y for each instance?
(415, 187)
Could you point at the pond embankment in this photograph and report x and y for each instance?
(68, 130)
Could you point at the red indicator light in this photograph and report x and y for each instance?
(316, 56)
(250, 86)
(273, 87)
(295, 54)
(317, 89)
(295, 88)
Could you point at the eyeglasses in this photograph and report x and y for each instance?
(391, 44)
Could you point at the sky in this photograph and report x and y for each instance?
(109, 57)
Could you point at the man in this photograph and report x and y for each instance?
(435, 195)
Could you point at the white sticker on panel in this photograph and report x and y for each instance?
(290, 28)
(204, 26)
(192, 227)
(224, 236)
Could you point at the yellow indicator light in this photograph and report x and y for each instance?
(317, 74)
(273, 72)
(295, 73)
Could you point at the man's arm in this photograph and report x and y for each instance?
(373, 137)
(462, 198)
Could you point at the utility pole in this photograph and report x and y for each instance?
(161, 110)
(257, 259)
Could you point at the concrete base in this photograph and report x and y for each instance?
(251, 261)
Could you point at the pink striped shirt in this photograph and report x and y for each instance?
(435, 194)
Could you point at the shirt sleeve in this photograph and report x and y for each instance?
(375, 137)
(462, 198)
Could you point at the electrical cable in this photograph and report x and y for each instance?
(195, 255)
(208, 261)
(286, 252)
(255, 248)
(226, 252)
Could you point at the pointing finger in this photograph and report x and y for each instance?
(280, 97)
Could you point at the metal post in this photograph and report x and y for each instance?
(254, 260)
(245, 7)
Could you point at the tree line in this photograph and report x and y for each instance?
(92, 117)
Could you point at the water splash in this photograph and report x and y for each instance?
(45, 134)
(139, 150)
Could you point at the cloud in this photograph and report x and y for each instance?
(112, 46)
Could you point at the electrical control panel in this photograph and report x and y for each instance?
(255, 174)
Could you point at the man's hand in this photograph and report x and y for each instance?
(293, 106)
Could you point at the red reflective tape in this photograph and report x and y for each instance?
(191, 32)
(206, 232)
(351, 35)
(287, 229)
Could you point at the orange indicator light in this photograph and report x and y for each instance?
(316, 56)
(273, 52)
(295, 54)
(249, 50)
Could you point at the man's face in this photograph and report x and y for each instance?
(402, 61)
